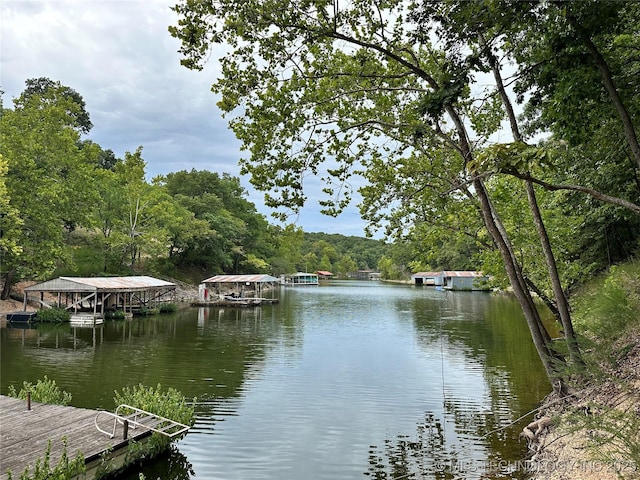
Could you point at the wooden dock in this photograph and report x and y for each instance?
(24, 435)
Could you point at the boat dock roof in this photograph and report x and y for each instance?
(256, 278)
(100, 284)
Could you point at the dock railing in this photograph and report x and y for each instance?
(132, 417)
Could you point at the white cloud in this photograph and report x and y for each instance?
(119, 56)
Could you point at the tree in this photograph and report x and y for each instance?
(10, 224)
(49, 180)
(142, 226)
(577, 52)
(344, 266)
(44, 87)
(586, 19)
(580, 81)
(233, 226)
(482, 29)
(106, 158)
(356, 84)
(288, 252)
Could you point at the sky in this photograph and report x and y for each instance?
(120, 57)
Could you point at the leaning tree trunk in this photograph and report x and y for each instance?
(538, 333)
(561, 300)
(499, 235)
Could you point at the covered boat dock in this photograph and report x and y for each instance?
(452, 280)
(236, 289)
(100, 294)
(299, 279)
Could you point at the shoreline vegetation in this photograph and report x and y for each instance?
(594, 432)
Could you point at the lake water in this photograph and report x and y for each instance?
(347, 380)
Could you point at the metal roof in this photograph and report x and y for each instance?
(426, 274)
(447, 273)
(461, 273)
(240, 279)
(93, 284)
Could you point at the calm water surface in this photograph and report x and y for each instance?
(348, 380)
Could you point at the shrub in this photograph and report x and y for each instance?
(170, 404)
(114, 315)
(143, 311)
(55, 314)
(168, 308)
(44, 391)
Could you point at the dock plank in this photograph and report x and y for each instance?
(24, 435)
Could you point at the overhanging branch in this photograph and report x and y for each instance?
(578, 188)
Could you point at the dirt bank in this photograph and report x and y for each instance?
(12, 304)
(593, 430)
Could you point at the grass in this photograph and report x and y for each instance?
(610, 304)
(607, 319)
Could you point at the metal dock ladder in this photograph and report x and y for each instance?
(132, 417)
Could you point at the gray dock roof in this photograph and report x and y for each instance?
(95, 284)
(240, 279)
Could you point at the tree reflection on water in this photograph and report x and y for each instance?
(428, 455)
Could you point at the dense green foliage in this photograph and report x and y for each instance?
(54, 314)
(610, 305)
(339, 254)
(39, 141)
(168, 403)
(168, 307)
(291, 250)
(607, 316)
(44, 391)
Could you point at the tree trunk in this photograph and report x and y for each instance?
(561, 301)
(499, 235)
(8, 283)
(551, 305)
(538, 333)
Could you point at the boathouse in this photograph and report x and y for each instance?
(99, 294)
(428, 278)
(219, 286)
(464, 280)
(299, 279)
(452, 279)
(324, 275)
(367, 275)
